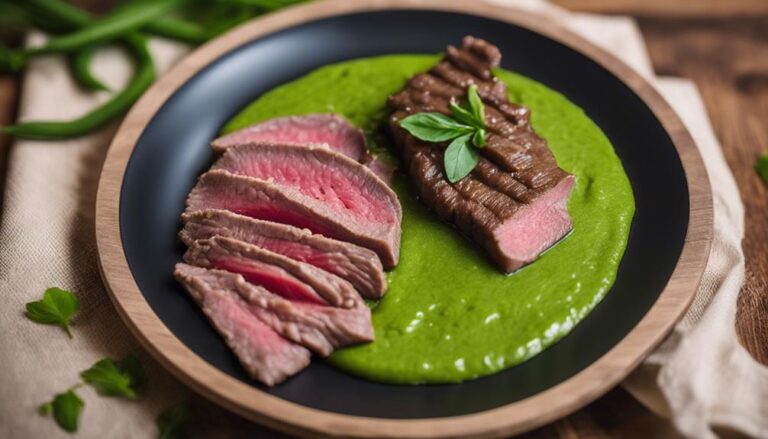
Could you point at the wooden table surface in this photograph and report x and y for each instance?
(723, 46)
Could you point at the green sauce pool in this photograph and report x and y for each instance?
(450, 315)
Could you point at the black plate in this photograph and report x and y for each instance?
(173, 151)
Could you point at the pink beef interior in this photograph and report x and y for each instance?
(262, 351)
(302, 130)
(274, 211)
(270, 201)
(359, 266)
(536, 227)
(294, 250)
(337, 184)
(316, 327)
(272, 278)
(301, 252)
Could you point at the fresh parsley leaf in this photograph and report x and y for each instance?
(434, 127)
(460, 158)
(45, 409)
(174, 422)
(66, 408)
(476, 104)
(116, 379)
(762, 167)
(132, 366)
(56, 308)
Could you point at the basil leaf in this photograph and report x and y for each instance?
(434, 127)
(460, 158)
(111, 379)
(56, 308)
(762, 167)
(174, 422)
(464, 116)
(479, 138)
(476, 104)
(66, 408)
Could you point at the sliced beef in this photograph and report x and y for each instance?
(319, 128)
(358, 265)
(514, 202)
(264, 354)
(375, 226)
(311, 129)
(319, 328)
(347, 188)
(293, 280)
(383, 169)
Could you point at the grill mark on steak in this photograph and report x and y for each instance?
(292, 279)
(358, 265)
(318, 328)
(504, 138)
(501, 181)
(516, 188)
(218, 189)
(263, 353)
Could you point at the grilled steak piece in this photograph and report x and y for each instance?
(358, 265)
(514, 201)
(310, 129)
(373, 224)
(291, 279)
(318, 328)
(264, 354)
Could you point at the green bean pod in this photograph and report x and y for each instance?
(80, 65)
(105, 30)
(179, 29)
(72, 18)
(60, 12)
(265, 5)
(10, 61)
(142, 79)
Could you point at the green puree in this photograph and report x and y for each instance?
(450, 315)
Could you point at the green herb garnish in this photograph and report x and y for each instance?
(56, 308)
(174, 422)
(459, 158)
(124, 378)
(466, 130)
(76, 32)
(66, 408)
(762, 167)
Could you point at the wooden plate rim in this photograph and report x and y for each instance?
(274, 412)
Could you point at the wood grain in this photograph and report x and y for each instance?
(9, 92)
(726, 53)
(513, 418)
(732, 74)
(666, 8)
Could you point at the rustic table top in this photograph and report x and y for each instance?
(723, 47)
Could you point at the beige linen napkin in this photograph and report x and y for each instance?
(47, 239)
